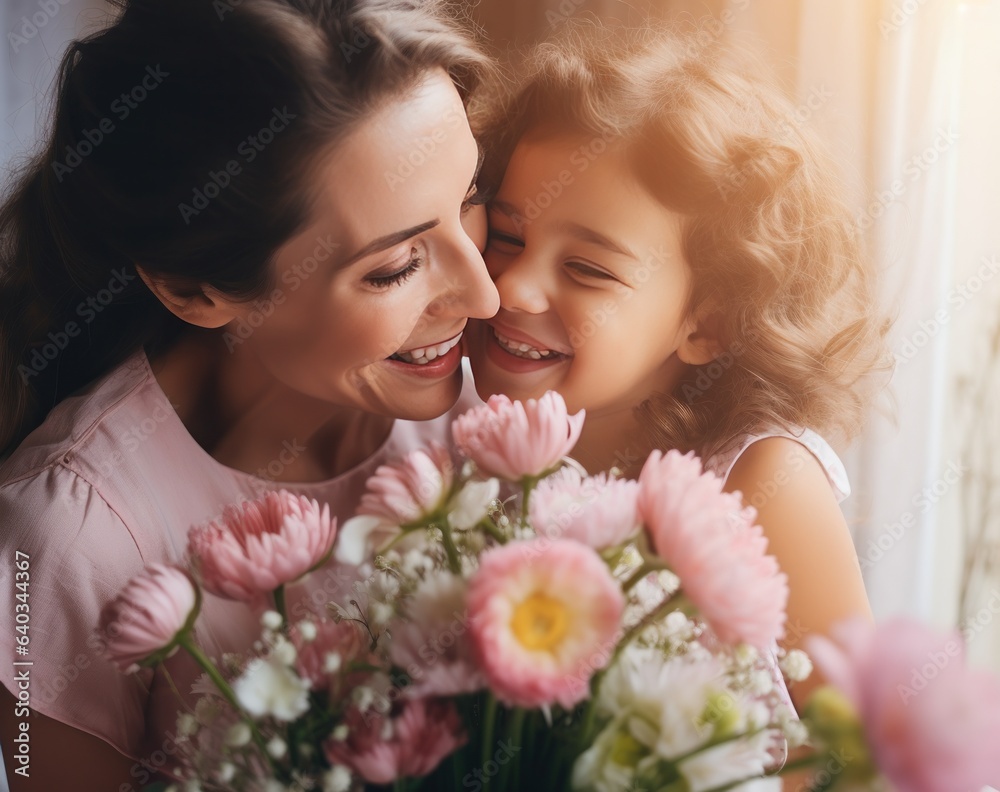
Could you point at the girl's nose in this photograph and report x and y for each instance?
(521, 286)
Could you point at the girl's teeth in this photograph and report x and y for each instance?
(523, 350)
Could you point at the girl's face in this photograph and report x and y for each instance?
(593, 285)
(373, 297)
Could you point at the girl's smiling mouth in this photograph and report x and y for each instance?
(518, 352)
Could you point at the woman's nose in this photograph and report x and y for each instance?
(468, 290)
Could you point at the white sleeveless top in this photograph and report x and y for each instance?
(722, 464)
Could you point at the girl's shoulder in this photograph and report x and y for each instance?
(722, 463)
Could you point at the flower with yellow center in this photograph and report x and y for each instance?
(540, 622)
(544, 617)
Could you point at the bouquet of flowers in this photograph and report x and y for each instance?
(518, 624)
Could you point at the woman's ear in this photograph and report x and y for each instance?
(701, 343)
(205, 307)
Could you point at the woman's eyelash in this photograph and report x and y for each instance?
(385, 281)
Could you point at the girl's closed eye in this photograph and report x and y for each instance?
(583, 270)
(504, 243)
(398, 276)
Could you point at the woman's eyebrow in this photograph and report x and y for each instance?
(388, 240)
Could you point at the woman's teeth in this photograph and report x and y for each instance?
(422, 357)
(518, 349)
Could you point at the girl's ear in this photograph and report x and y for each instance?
(701, 343)
(204, 306)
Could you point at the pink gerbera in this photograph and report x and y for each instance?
(599, 511)
(145, 622)
(265, 544)
(511, 440)
(930, 722)
(710, 541)
(411, 489)
(544, 617)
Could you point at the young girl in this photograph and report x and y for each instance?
(671, 256)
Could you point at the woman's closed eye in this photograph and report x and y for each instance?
(398, 276)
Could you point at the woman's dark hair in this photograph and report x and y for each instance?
(180, 141)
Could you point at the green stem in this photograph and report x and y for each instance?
(279, 602)
(512, 732)
(209, 667)
(527, 485)
(489, 721)
(648, 565)
(454, 564)
(227, 692)
(493, 530)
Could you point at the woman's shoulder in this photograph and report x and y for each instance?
(109, 461)
(69, 425)
(782, 456)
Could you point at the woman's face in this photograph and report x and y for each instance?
(592, 280)
(373, 297)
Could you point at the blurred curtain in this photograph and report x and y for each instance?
(36, 33)
(904, 93)
(908, 113)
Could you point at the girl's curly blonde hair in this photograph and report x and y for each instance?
(776, 258)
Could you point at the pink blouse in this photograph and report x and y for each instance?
(111, 481)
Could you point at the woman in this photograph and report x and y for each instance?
(245, 252)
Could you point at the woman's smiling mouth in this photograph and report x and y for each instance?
(421, 356)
